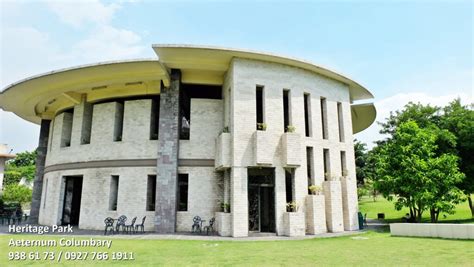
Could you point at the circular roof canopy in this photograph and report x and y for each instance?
(42, 96)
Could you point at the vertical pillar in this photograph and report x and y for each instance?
(167, 162)
(40, 161)
(239, 202)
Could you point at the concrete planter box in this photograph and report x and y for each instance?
(223, 221)
(223, 148)
(315, 214)
(333, 198)
(291, 143)
(294, 223)
(262, 155)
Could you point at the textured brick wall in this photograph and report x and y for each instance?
(315, 214)
(333, 201)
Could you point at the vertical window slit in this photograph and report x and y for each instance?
(307, 115)
(154, 118)
(340, 120)
(259, 108)
(183, 192)
(118, 125)
(327, 174)
(309, 166)
(286, 110)
(113, 197)
(151, 193)
(324, 118)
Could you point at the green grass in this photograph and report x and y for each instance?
(369, 248)
(367, 205)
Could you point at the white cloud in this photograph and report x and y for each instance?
(78, 13)
(397, 102)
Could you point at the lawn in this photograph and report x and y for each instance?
(369, 248)
(367, 205)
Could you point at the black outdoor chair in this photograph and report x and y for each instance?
(197, 223)
(129, 228)
(109, 224)
(210, 227)
(120, 223)
(141, 226)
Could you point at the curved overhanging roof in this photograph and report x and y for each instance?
(42, 96)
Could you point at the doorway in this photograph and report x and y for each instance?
(261, 199)
(72, 200)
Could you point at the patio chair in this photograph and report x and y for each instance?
(128, 228)
(120, 223)
(109, 224)
(141, 226)
(210, 227)
(197, 223)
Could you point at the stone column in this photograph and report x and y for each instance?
(40, 161)
(167, 162)
(239, 202)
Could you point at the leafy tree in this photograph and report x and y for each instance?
(17, 193)
(459, 120)
(23, 159)
(409, 167)
(360, 152)
(23, 165)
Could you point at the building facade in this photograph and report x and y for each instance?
(196, 131)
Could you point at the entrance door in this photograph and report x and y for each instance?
(261, 198)
(72, 200)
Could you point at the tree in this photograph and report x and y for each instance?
(459, 120)
(408, 166)
(360, 153)
(23, 159)
(23, 165)
(17, 193)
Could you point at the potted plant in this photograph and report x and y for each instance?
(291, 206)
(262, 126)
(315, 189)
(225, 207)
(290, 129)
(225, 129)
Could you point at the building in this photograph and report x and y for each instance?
(177, 137)
(4, 156)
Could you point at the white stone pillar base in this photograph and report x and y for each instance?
(315, 215)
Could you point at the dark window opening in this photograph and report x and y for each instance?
(309, 166)
(289, 185)
(340, 121)
(286, 110)
(307, 115)
(86, 124)
(183, 192)
(327, 174)
(187, 92)
(66, 130)
(118, 125)
(113, 197)
(324, 117)
(259, 107)
(151, 193)
(154, 118)
(343, 163)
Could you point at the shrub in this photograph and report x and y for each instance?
(17, 193)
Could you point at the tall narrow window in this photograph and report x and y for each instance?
(343, 163)
(86, 124)
(45, 193)
(154, 118)
(151, 193)
(183, 192)
(66, 130)
(289, 184)
(307, 115)
(309, 166)
(286, 109)
(260, 112)
(324, 120)
(118, 125)
(113, 197)
(327, 174)
(340, 120)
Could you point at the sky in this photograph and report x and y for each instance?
(420, 51)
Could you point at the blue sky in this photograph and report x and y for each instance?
(400, 50)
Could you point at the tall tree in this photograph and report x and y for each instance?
(409, 167)
(360, 153)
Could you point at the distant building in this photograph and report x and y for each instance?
(4, 156)
(175, 138)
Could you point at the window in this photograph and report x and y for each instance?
(327, 174)
(307, 115)
(343, 163)
(324, 118)
(154, 118)
(118, 122)
(340, 121)
(66, 130)
(114, 185)
(183, 192)
(309, 166)
(45, 193)
(151, 193)
(286, 110)
(86, 124)
(259, 107)
(289, 184)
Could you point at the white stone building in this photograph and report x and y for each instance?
(175, 137)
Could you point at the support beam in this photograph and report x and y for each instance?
(40, 161)
(167, 162)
